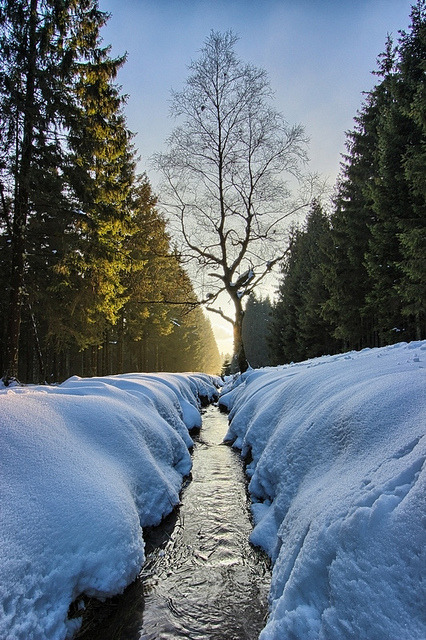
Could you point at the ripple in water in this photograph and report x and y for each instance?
(202, 579)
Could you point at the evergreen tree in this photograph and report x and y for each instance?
(59, 117)
(410, 94)
(390, 203)
(299, 329)
(100, 173)
(375, 271)
(191, 345)
(315, 333)
(33, 73)
(84, 253)
(395, 257)
(257, 318)
(150, 281)
(284, 327)
(366, 273)
(344, 270)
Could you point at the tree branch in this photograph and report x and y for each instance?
(220, 313)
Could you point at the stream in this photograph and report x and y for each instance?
(202, 579)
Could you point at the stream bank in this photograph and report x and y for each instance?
(202, 579)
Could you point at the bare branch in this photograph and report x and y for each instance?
(220, 313)
(226, 169)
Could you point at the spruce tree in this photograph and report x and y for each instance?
(395, 259)
(284, 346)
(315, 333)
(33, 102)
(59, 116)
(410, 93)
(344, 270)
(256, 325)
(299, 329)
(100, 173)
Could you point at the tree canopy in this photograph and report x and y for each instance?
(86, 262)
(226, 175)
(366, 284)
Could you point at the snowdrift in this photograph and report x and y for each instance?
(337, 448)
(82, 467)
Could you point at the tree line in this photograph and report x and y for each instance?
(356, 277)
(91, 283)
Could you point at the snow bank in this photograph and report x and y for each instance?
(82, 467)
(338, 488)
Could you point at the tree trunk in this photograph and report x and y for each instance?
(93, 360)
(239, 353)
(106, 354)
(120, 344)
(41, 367)
(19, 224)
(144, 366)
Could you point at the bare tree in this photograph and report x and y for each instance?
(226, 171)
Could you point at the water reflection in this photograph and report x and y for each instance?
(202, 579)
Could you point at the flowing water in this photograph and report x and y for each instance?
(202, 579)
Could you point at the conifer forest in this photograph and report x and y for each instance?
(92, 280)
(355, 276)
(91, 283)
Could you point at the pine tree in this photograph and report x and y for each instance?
(151, 278)
(370, 284)
(411, 96)
(191, 345)
(100, 173)
(33, 73)
(284, 326)
(375, 271)
(395, 259)
(344, 272)
(59, 116)
(257, 318)
(299, 329)
(315, 333)
(390, 202)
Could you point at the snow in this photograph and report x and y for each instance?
(83, 466)
(337, 448)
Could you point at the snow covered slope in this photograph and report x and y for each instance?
(338, 487)
(82, 467)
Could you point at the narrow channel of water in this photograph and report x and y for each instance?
(202, 579)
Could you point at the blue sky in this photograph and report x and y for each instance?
(319, 55)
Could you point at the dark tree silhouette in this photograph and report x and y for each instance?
(224, 175)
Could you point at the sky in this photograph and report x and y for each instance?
(319, 55)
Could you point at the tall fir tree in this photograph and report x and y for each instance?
(284, 330)
(41, 44)
(299, 329)
(66, 173)
(395, 258)
(33, 74)
(100, 174)
(410, 94)
(256, 325)
(375, 271)
(345, 274)
(315, 332)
